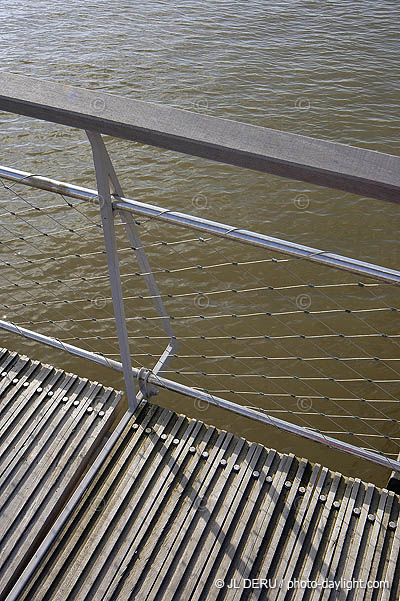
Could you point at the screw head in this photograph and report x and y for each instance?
(50, 393)
(39, 389)
(65, 399)
(256, 474)
(222, 462)
(288, 484)
(392, 525)
(3, 374)
(302, 490)
(356, 511)
(204, 454)
(147, 430)
(371, 517)
(26, 384)
(15, 380)
(268, 479)
(336, 504)
(175, 441)
(163, 436)
(192, 450)
(101, 414)
(236, 467)
(89, 409)
(76, 403)
(135, 426)
(322, 498)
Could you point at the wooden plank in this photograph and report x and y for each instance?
(181, 547)
(110, 538)
(337, 544)
(252, 555)
(47, 442)
(393, 592)
(382, 524)
(172, 524)
(367, 569)
(58, 572)
(316, 535)
(167, 491)
(177, 505)
(228, 567)
(277, 546)
(355, 170)
(352, 555)
(219, 539)
(305, 509)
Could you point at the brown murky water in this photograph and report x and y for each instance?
(327, 70)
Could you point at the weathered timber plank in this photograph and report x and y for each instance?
(330, 164)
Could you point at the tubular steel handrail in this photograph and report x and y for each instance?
(191, 222)
(323, 163)
(205, 397)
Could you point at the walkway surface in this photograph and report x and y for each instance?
(178, 509)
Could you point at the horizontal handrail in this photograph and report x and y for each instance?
(161, 382)
(212, 227)
(329, 164)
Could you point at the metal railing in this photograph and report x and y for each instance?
(333, 165)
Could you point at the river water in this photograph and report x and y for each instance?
(328, 70)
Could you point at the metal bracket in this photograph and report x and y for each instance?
(146, 389)
(108, 186)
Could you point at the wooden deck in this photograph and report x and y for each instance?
(181, 510)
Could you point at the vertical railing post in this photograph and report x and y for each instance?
(101, 165)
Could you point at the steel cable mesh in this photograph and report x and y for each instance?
(312, 345)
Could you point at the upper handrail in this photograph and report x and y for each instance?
(329, 164)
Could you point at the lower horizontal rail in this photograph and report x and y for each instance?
(300, 251)
(162, 382)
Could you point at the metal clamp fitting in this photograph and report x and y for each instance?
(146, 389)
